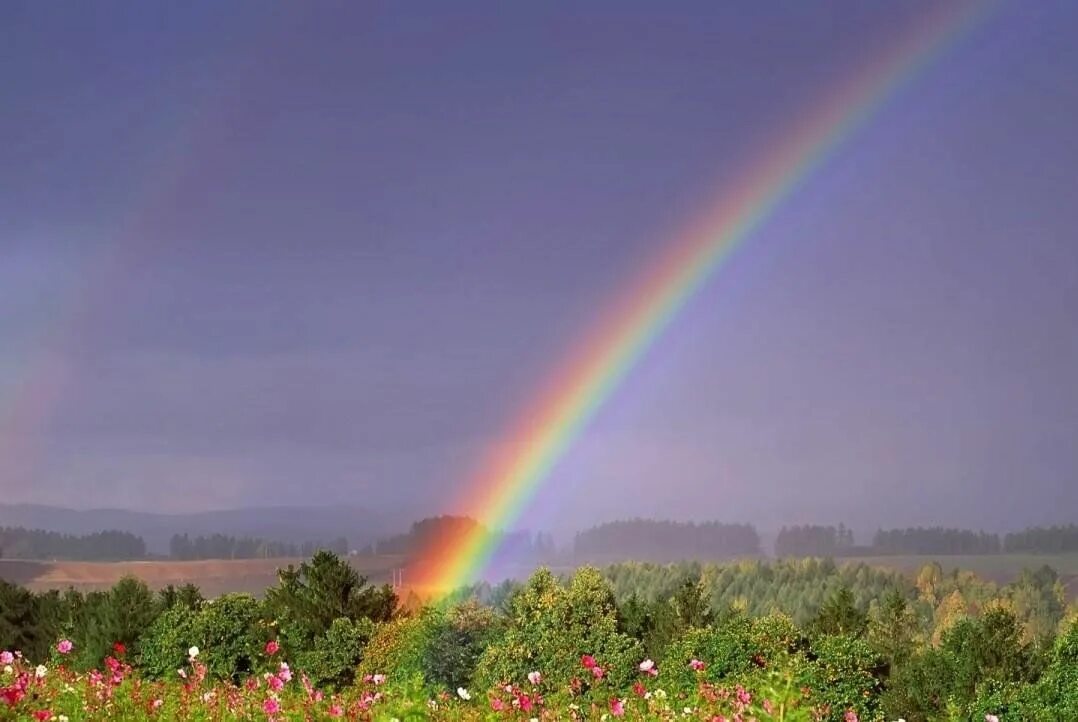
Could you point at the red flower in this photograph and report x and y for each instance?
(588, 661)
(43, 714)
(119, 649)
(639, 690)
(272, 647)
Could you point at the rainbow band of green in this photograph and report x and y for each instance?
(503, 493)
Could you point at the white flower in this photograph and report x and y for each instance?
(647, 665)
(192, 652)
(535, 677)
(8, 669)
(41, 671)
(660, 694)
(62, 718)
(991, 718)
(463, 694)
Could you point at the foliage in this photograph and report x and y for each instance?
(308, 599)
(550, 626)
(333, 659)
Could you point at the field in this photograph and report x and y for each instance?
(212, 576)
(219, 576)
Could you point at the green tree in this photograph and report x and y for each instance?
(308, 599)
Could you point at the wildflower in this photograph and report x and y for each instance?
(617, 707)
(991, 718)
(742, 695)
(271, 706)
(274, 682)
(41, 671)
(696, 665)
(639, 690)
(157, 703)
(588, 661)
(378, 678)
(597, 672)
(850, 716)
(463, 694)
(497, 704)
(648, 668)
(535, 677)
(8, 669)
(182, 673)
(43, 714)
(6, 657)
(65, 646)
(192, 652)
(285, 673)
(335, 710)
(119, 649)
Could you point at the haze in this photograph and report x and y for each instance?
(324, 253)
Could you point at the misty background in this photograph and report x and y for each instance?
(255, 257)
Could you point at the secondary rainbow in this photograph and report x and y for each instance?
(560, 412)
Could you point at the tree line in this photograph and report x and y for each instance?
(223, 546)
(818, 540)
(20, 543)
(652, 540)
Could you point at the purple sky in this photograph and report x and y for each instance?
(322, 253)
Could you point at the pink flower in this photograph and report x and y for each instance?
(991, 718)
(6, 657)
(648, 668)
(588, 661)
(65, 646)
(271, 706)
(617, 707)
(272, 647)
(378, 678)
(497, 704)
(696, 665)
(535, 677)
(598, 672)
(639, 690)
(335, 710)
(157, 703)
(850, 716)
(742, 695)
(43, 714)
(285, 673)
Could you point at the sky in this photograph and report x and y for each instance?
(324, 253)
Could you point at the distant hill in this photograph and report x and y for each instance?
(295, 524)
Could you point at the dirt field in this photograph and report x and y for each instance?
(213, 576)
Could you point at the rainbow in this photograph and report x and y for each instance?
(559, 414)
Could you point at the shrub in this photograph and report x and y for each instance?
(336, 654)
(457, 640)
(551, 625)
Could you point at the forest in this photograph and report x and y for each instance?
(791, 640)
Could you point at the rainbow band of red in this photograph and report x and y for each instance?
(542, 436)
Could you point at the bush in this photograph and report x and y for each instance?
(166, 641)
(335, 655)
(550, 626)
(457, 641)
(396, 648)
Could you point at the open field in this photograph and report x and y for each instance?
(219, 576)
(213, 576)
